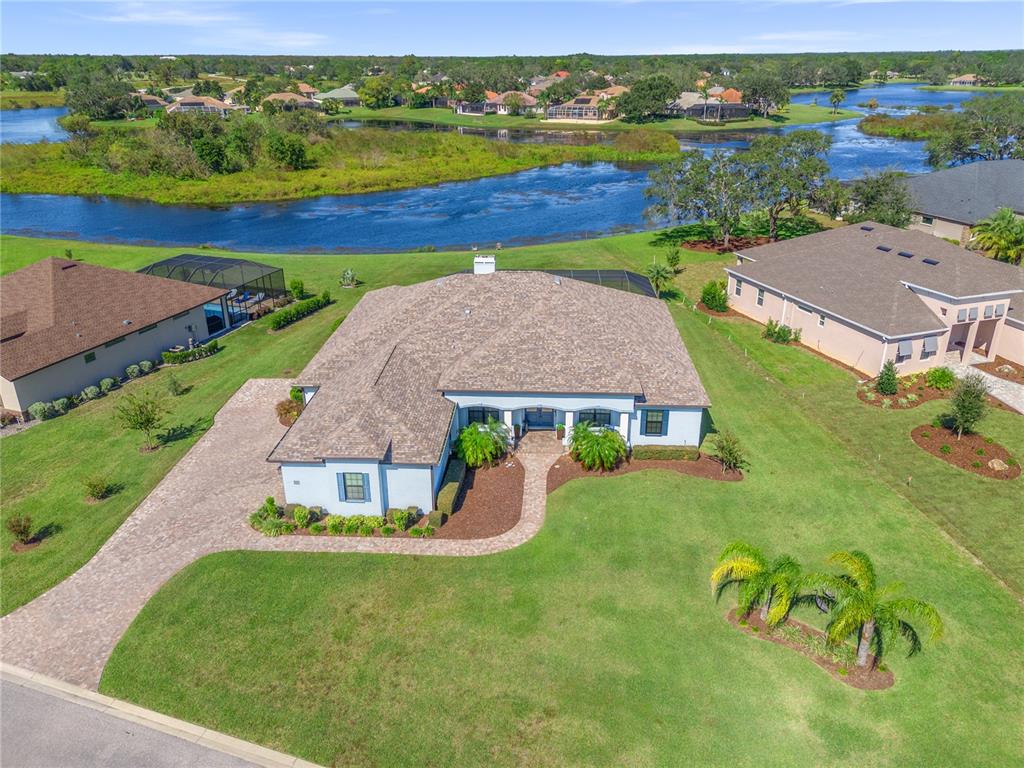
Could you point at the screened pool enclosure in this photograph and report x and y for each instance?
(252, 287)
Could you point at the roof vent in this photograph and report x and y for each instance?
(126, 322)
(68, 266)
(884, 248)
(906, 254)
(868, 229)
(930, 262)
(467, 311)
(558, 280)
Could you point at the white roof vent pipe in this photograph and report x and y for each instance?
(483, 265)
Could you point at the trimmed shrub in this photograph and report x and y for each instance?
(601, 448)
(729, 451)
(425, 532)
(41, 411)
(335, 525)
(940, 378)
(451, 485)
(387, 530)
(98, 487)
(404, 518)
(145, 365)
(714, 296)
(60, 406)
(666, 453)
(317, 528)
(133, 371)
(298, 310)
(90, 393)
(779, 333)
(352, 524)
(888, 383)
(107, 384)
(188, 355)
(297, 289)
(415, 532)
(301, 516)
(20, 526)
(437, 518)
(365, 530)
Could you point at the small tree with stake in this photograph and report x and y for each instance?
(888, 382)
(967, 406)
(144, 413)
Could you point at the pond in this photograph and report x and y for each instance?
(891, 97)
(28, 126)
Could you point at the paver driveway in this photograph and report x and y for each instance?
(201, 507)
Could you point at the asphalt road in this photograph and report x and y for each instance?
(38, 730)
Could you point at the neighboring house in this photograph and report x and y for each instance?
(730, 96)
(206, 104)
(388, 393)
(288, 101)
(592, 106)
(691, 104)
(346, 94)
(307, 90)
(151, 102)
(64, 325)
(235, 95)
(969, 79)
(866, 293)
(495, 104)
(949, 202)
(527, 103)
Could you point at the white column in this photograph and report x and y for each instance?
(570, 419)
(624, 425)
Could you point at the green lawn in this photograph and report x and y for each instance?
(89, 441)
(981, 88)
(794, 114)
(598, 642)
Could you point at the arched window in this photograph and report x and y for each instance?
(597, 416)
(480, 415)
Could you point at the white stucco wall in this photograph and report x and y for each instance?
(684, 427)
(391, 485)
(408, 486)
(71, 376)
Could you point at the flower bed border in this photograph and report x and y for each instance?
(963, 451)
(566, 468)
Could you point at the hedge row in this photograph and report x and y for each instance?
(41, 411)
(666, 453)
(188, 355)
(299, 310)
(450, 487)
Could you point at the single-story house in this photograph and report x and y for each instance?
(949, 202)
(588, 106)
(151, 102)
(346, 94)
(867, 293)
(207, 104)
(495, 104)
(288, 100)
(527, 103)
(692, 104)
(730, 96)
(389, 392)
(64, 325)
(968, 79)
(305, 89)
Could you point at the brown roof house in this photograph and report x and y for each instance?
(599, 105)
(64, 325)
(288, 101)
(207, 104)
(388, 393)
(867, 293)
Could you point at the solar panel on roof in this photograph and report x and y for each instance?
(581, 101)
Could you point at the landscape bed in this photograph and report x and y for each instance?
(489, 504)
(567, 468)
(971, 452)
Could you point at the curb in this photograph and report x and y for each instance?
(245, 750)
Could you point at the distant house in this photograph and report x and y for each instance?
(151, 102)
(949, 202)
(560, 74)
(206, 104)
(730, 96)
(306, 90)
(289, 101)
(594, 106)
(346, 94)
(865, 294)
(65, 325)
(234, 96)
(692, 104)
(527, 103)
(969, 79)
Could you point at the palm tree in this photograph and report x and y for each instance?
(876, 614)
(660, 276)
(1002, 235)
(836, 98)
(705, 93)
(775, 584)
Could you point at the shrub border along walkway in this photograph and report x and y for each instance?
(201, 507)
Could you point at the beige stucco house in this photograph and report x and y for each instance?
(949, 202)
(867, 293)
(64, 325)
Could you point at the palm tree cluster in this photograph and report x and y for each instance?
(1001, 235)
(858, 605)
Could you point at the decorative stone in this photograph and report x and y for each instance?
(1006, 369)
(998, 465)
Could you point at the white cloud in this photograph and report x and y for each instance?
(255, 39)
(187, 15)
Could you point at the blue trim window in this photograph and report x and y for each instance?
(90, 357)
(481, 415)
(353, 486)
(653, 423)
(598, 417)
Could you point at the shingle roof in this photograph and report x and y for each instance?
(57, 308)
(382, 373)
(969, 193)
(843, 272)
(343, 92)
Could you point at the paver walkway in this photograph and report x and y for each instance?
(200, 507)
(1008, 392)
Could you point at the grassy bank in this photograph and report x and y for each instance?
(917, 127)
(349, 162)
(976, 88)
(598, 642)
(31, 99)
(795, 114)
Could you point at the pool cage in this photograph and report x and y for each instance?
(252, 288)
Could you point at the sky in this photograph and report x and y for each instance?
(525, 27)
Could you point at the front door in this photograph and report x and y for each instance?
(540, 418)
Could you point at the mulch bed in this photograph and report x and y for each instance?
(1016, 375)
(490, 503)
(923, 392)
(730, 312)
(565, 469)
(867, 678)
(735, 244)
(19, 547)
(964, 452)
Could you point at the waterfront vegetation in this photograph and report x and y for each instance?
(916, 127)
(31, 99)
(341, 162)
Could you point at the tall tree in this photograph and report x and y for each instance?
(379, 92)
(785, 170)
(836, 98)
(646, 99)
(712, 189)
(882, 197)
(765, 90)
(988, 128)
(876, 615)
